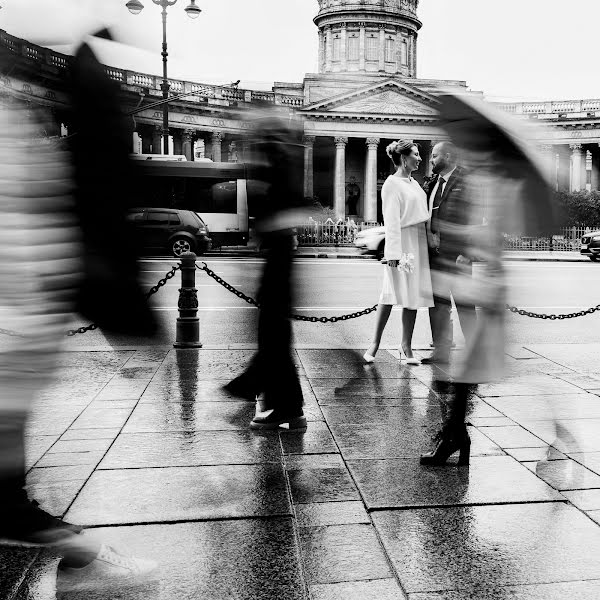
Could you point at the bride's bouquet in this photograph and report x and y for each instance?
(407, 262)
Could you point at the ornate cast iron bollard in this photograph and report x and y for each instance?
(187, 332)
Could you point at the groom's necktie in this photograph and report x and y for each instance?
(436, 204)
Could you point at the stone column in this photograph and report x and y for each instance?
(370, 209)
(309, 141)
(146, 140)
(414, 55)
(217, 138)
(548, 154)
(595, 167)
(564, 168)
(381, 48)
(157, 140)
(361, 47)
(328, 49)
(177, 141)
(426, 151)
(576, 159)
(339, 178)
(321, 52)
(187, 144)
(344, 48)
(584, 169)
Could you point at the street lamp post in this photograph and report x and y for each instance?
(135, 7)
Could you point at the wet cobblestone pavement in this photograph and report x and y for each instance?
(146, 448)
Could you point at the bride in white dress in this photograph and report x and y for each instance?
(406, 276)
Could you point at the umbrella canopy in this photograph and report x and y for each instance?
(496, 142)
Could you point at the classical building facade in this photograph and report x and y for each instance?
(366, 94)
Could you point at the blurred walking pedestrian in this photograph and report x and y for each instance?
(507, 190)
(448, 243)
(406, 277)
(276, 168)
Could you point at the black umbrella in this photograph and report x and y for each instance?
(496, 141)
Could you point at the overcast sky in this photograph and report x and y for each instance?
(509, 49)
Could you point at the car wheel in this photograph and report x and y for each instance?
(380, 251)
(593, 258)
(180, 245)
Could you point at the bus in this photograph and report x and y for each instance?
(217, 192)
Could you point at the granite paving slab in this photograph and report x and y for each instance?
(337, 553)
(191, 448)
(567, 435)
(579, 357)
(513, 436)
(543, 406)
(181, 493)
(532, 454)
(94, 418)
(401, 483)
(90, 434)
(590, 460)
(14, 563)
(47, 475)
(573, 590)
(331, 513)
(55, 497)
(584, 499)
(340, 357)
(36, 446)
(376, 589)
(293, 462)
(190, 417)
(468, 548)
(566, 475)
(411, 413)
(52, 420)
(356, 391)
(190, 391)
(218, 560)
(380, 440)
(322, 485)
(317, 439)
(527, 385)
(373, 371)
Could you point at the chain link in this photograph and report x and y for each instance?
(552, 317)
(252, 301)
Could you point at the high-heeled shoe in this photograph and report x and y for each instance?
(409, 360)
(368, 357)
(446, 444)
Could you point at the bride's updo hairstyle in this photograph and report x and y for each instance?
(400, 148)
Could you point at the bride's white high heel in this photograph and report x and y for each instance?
(409, 361)
(368, 357)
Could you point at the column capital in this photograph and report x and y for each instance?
(340, 142)
(372, 142)
(217, 136)
(576, 147)
(308, 140)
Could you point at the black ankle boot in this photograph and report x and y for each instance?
(447, 443)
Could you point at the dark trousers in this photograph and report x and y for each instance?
(439, 315)
(272, 370)
(12, 459)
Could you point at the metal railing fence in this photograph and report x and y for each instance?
(567, 239)
(330, 232)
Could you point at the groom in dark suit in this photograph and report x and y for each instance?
(447, 237)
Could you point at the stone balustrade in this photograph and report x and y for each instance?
(198, 92)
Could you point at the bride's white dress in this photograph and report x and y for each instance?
(405, 213)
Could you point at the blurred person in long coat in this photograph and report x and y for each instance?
(276, 173)
(41, 273)
(508, 192)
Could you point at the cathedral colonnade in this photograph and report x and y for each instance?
(572, 167)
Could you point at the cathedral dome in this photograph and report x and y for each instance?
(368, 36)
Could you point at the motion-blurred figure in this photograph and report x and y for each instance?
(276, 174)
(506, 190)
(41, 274)
(447, 233)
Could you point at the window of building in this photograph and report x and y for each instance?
(389, 49)
(337, 43)
(372, 48)
(404, 52)
(353, 47)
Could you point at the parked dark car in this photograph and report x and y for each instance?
(176, 231)
(590, 245)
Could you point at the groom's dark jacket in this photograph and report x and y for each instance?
(453, 215)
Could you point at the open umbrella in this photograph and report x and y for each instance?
(496, 141)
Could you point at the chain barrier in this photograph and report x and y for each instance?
(552, 317)
(252, 301)
(93, 326)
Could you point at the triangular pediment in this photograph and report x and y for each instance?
(389, 97)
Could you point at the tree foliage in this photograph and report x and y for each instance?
(578, 209)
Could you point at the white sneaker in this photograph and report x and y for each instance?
(109, 568)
